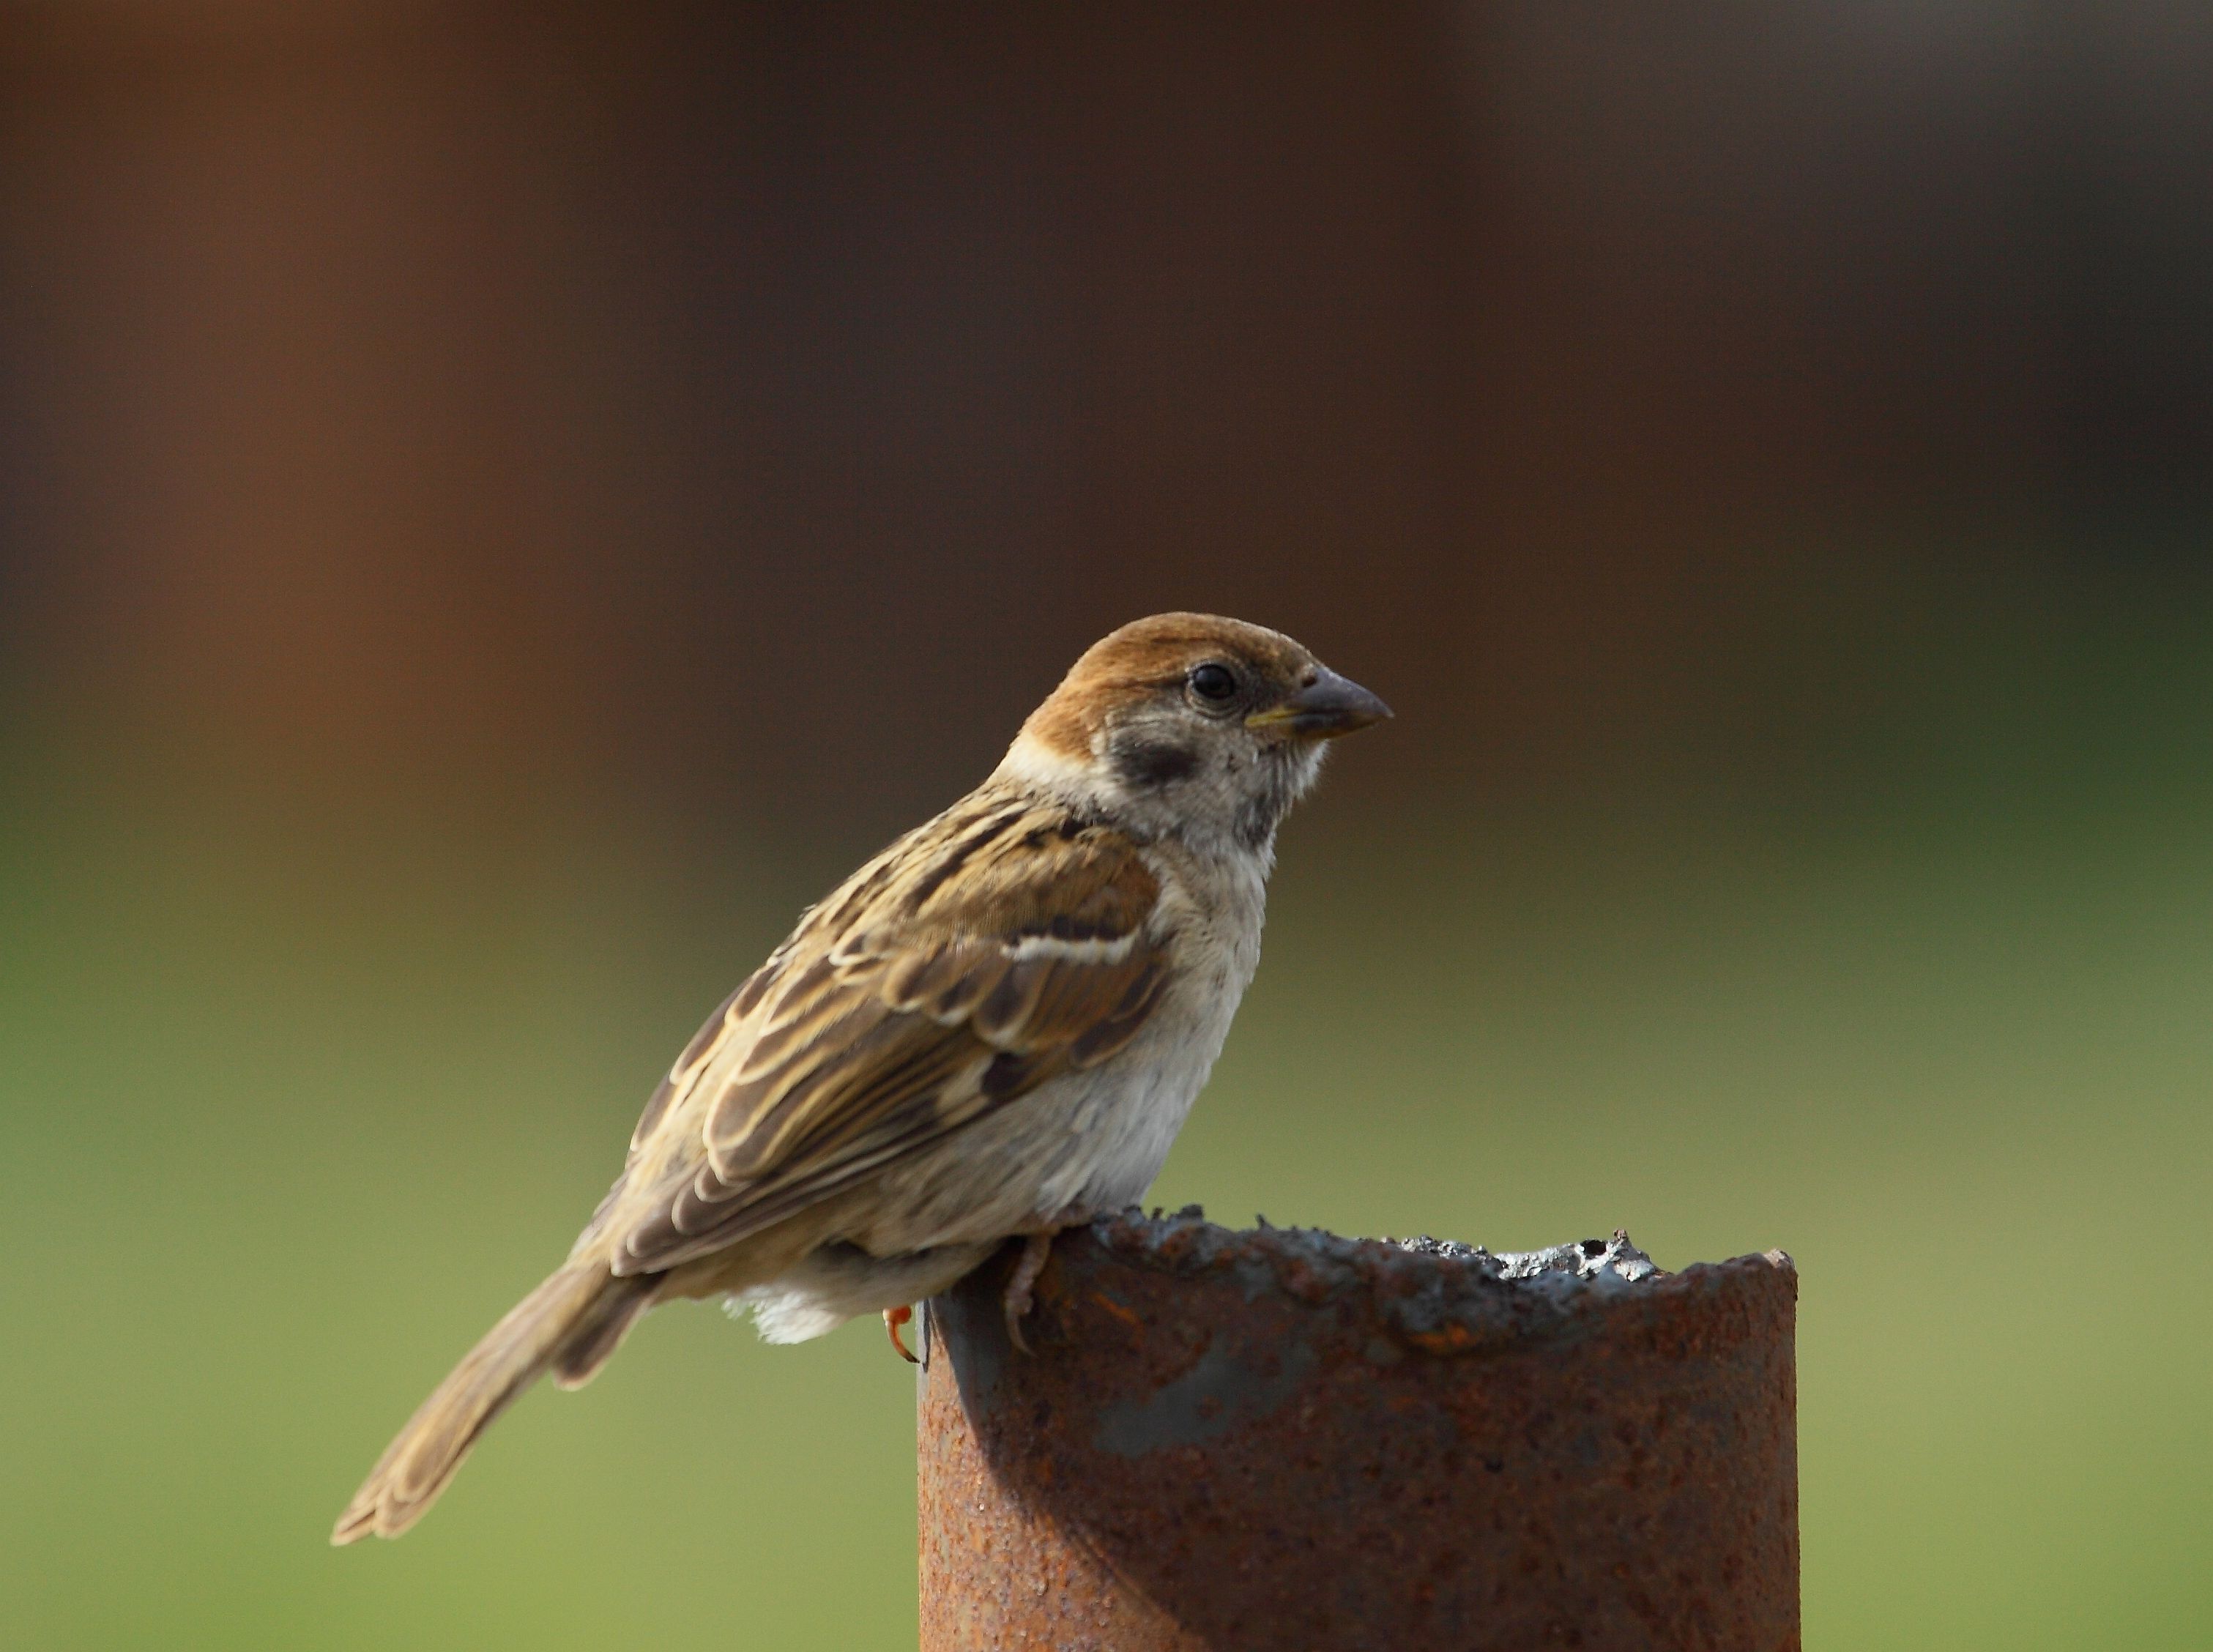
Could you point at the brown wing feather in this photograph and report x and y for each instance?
(906, 1005)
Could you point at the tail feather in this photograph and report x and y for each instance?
(571, 1323)
(598, 1334)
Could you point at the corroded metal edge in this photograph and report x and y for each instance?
(1438, 1297)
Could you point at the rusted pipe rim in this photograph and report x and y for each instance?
(1435, 1295)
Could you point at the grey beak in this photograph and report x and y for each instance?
(1328, 706)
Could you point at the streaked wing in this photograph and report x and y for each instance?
(910, 1004)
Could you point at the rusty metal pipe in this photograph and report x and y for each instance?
(1287, 1440)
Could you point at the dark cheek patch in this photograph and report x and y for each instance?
(1140, 764)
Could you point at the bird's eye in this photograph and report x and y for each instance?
(1215, 684)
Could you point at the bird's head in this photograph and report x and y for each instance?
(1193, 725)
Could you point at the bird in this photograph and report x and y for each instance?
(992, 1031)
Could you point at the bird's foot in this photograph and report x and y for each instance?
(1037, 1249)
(1017, 1301)
(893, 1318)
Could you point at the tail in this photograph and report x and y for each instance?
(568, 1325)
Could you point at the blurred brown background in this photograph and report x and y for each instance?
(499, 505)
(758, 406)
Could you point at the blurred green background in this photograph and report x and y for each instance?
(500, 508)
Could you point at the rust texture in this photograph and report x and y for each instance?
(1288, 1440)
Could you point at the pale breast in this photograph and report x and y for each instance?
(1093, 1139)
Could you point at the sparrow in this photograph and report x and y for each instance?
(991, 1031)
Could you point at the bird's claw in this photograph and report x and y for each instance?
(893, 1318)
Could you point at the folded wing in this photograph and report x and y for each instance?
(907, 1005)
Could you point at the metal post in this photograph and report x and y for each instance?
(1288, 1440)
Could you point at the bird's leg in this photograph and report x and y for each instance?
(893, 1318)
(1037, 1249)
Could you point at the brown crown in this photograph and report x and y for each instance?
(1147, 657)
